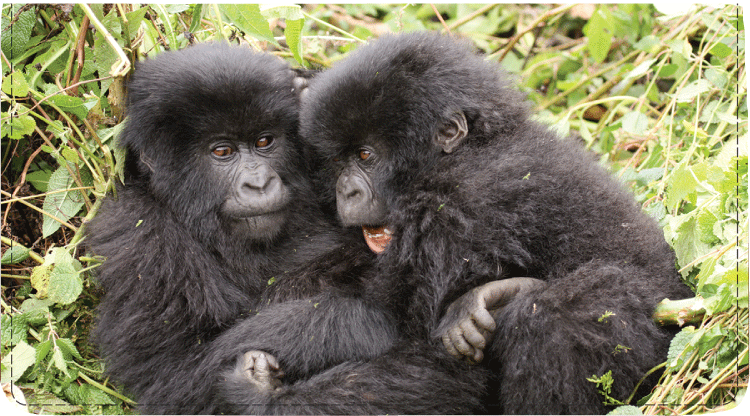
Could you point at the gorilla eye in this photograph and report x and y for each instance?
(222, 151)
(364, 154)
(264, 141)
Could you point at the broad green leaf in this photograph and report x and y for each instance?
(679, 344)
(65, 283)
(692, 90)
(635, 122)
(15, 85)
(15, 36)
(40, 179)
(599, 31)
(63, 205)
(720, 50)
(70, 104)
(59, 361)
(18, 126)
(247, 18)
(680, 184)
(15, 364)
(14, 329)
(15, 254)
(68, 348)
(293, 35)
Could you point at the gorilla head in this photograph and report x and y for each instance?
(217, 150)
(391, 110)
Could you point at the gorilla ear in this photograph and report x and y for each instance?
(452, 132)
(300, 86)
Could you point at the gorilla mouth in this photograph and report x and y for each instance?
(377, 238)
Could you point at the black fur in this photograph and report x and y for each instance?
(183, 289)
(513, 199)
(175, 275)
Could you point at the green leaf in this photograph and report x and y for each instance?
(720, 50)
(14, 329)
(599, 31)
(59, 361)
(42, 350)
(19, 126)
(195, 24)
(68, 348)
(40, 179)
(65, 283)
(247, 18)
(635, 122)
(626, 410)
(15, 364)
(15, 36)
(63, 205)
(693, 90)
(293, 35)
(15, 85)
(15, 254)
(679, 344)
(70, 104)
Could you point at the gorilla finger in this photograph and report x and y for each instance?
(472, 334)
(484, 319)
(478, 357)
(460, 343)
(273, 363)
(448, 344)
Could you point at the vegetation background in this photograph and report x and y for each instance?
(660, 95)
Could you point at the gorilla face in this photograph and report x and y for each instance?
(221, 151)
(257, 197)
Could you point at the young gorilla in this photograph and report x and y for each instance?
(434, 155)
(216, 202)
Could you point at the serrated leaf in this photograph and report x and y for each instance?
(15, 85)
(42, 350)
(21, 357)
(678, 345)
(70, 104)
(63, 205)
(247, 17)
(68, 348)
(65, 284)
(681, 183)
(689, 244)
(14, 329)
(40, 279)
(15, 36)
(626, 410)
(59, 361)
(293, 35)
(15, 254)
(18, 126)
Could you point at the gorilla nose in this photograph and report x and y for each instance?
(259, 182)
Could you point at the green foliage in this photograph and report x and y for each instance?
(661, 99)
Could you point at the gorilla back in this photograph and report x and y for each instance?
(429, 144)
(215, 201)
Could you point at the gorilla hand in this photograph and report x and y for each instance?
(262, 369)
(468, 324)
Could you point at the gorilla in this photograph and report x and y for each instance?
(216, 247)
(431, 152)
(216, 203)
